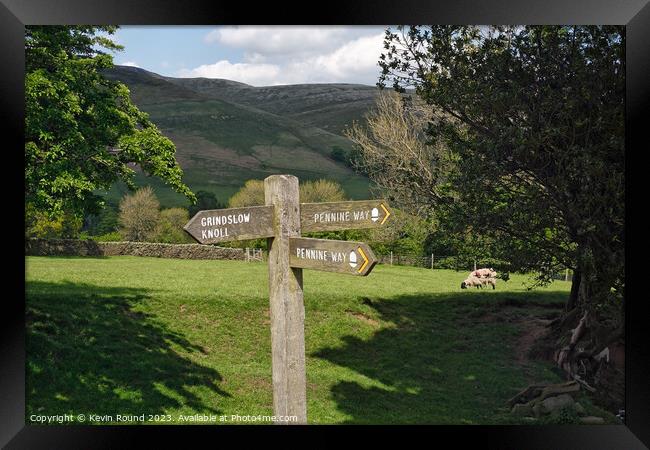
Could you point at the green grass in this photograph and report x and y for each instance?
(132, 335)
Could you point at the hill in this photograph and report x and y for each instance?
(227, 132)
(327, 106)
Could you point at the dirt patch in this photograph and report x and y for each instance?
(263, 383)
(363, 317)
(533, 329)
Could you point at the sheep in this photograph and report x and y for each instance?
(484, 273)
(489, 280)
(471, 281)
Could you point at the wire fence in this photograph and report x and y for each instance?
(451, 262)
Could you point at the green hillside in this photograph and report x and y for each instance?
(221, 143)
(327, 106)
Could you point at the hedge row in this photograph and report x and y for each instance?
(75, 247)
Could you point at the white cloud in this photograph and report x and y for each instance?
(292, 55)
(129, 63)
(283, 40)
(355, 58)
(255, 74)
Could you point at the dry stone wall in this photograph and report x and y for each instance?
(75, 247)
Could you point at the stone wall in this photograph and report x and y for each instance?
(75, 247)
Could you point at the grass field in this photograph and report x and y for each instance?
(133, 335)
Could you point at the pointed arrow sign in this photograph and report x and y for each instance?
(343, 215)
(354, 258)
(233, 224)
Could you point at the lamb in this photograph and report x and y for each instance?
(471, 281)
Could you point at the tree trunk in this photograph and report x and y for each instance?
(572, 302)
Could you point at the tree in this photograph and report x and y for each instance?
(139, 215)
(395, 153)
(204, 200)
(170, 226)
(82, 130)
(534, 119)
(404, 234)
(106, 221)
(252, 194)
(339, 154)
(321, 191)
(40, 225)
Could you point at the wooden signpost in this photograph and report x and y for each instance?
(234, 224)
(282, 220)
(343, 215)
(354, 258)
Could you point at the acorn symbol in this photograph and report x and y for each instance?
(353, 259)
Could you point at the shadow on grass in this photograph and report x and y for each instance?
(439, 359)
(89, 351)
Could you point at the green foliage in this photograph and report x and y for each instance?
(534, 116)
(318, 191)
(113, 236)
(82, 130)
(351, 158)
(105, 222)
(251, 194)
(354, 159)
(339, 154)
(404, 233)
(62, 225)
(205, 200)
(565, 416)
(139, 215)
(170, 227)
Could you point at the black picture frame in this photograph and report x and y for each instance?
(15, 14)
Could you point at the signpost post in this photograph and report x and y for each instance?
(282, 220)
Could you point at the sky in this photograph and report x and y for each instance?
(256, 55)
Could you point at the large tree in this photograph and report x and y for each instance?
(82, 132)
(534, 118)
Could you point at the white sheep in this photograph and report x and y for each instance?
(489, 280)
(484, 273)
(471, 281)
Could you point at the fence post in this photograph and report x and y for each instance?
(391, 257)
(431, 261)
(566, 275)
(474, 264)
